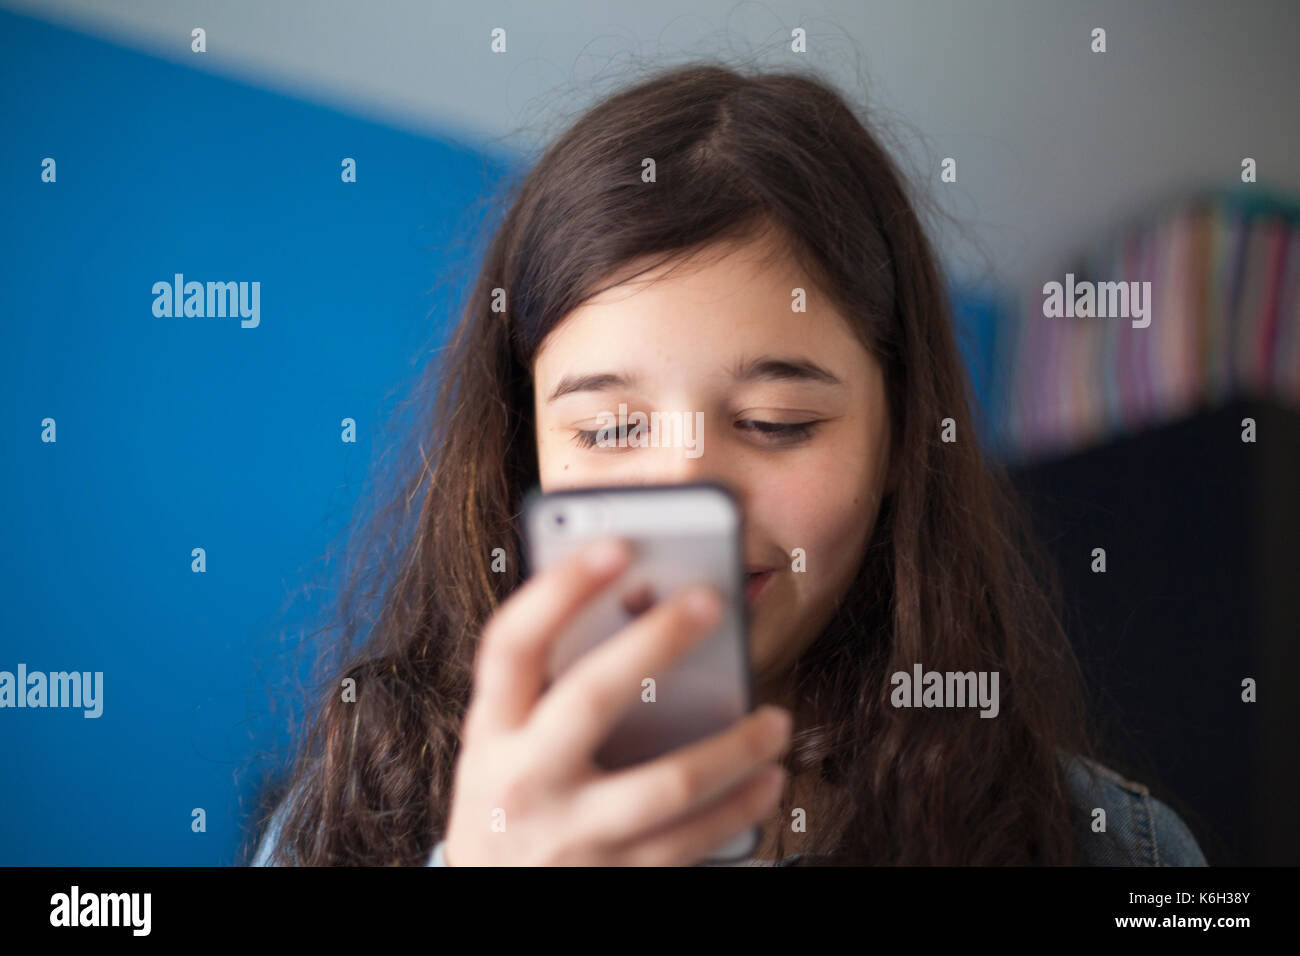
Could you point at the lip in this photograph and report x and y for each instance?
(756, 583)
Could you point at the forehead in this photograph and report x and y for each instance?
(727, 300)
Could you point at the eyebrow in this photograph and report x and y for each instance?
(765, 368)
(591, 383)
(773, 368)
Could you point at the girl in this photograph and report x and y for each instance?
(742, 246)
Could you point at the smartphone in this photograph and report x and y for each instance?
(681, 535)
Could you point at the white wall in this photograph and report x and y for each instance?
(1054, 144)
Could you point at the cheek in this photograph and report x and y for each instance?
(825, 505)
(828, 516)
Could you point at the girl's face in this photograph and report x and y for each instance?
(793, 420)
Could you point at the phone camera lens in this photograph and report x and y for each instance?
(559, 519)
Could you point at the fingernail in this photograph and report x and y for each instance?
(606, 556)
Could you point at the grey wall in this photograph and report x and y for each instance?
(1054, 144)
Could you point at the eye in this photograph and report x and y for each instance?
(780, 433)
(588, 439)
(773, 433)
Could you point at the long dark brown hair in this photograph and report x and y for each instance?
(951, 578)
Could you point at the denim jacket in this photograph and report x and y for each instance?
(1139, 829)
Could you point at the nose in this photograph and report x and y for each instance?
(678, 464)
(683, 451)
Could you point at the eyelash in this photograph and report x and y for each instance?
(791, 433)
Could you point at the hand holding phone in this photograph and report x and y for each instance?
(528, 787)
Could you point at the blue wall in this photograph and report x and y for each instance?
(177, 433)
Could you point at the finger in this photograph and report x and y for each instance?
(629, 803)
(513, 650)
(585, 702)
(713, 827)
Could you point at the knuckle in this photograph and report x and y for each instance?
(674, 630)
(597, 700)
(683, 786)
(583, 709)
